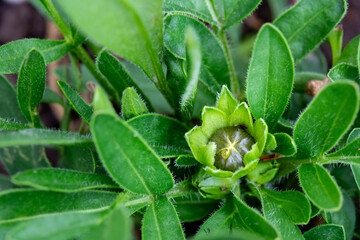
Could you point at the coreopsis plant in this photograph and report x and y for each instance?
(185, 131)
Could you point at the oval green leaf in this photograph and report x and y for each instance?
(23, 203)
(129, 160)
(345, 217)
(62, 180)
(349, 53)
(326, 119)
(285, 144)
(8, 101)
(128, 28)
(270, 76)
(161, 221)
(350, 154)
(325, 232)
(320, 187)
(168, 140)
(219, 222)
(231, 12)
(115, 72)
(344, 71)
(55, 226)
(295, 205)
(31, 86)
(13, 53)
(35, 136)
(280, 218)
(298, 24)
(115, 225)
(249, 219)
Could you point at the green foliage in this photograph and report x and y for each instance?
(31, 86)
(271, 75)
(167, 136)
(298, 24)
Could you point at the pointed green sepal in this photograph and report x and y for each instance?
(226, 101)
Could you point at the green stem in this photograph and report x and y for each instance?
(65, 121)
(218, 28)
(233, 77)
(55, 16)
(75, 65)
(90, 65)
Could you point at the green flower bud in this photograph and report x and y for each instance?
(228, 144)
(213, 187)
(232, 143)
(264, 172)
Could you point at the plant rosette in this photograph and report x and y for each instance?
(228, 144)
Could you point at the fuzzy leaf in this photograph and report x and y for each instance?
(35, 136)
(8, 101)
(22, 203)
(325, 232)
(280, 218)
(326, 119)
(270, 76)
(55, 226)
(116, 74)
(356, 171)
(193, 64)
(116, 225)
(6, 124)
(131, 104)
(168, 139)
(62, 180)
(298, 24)
(319, 186)
(346, 216)
(249, 219)
(214, 71)
(294, 204)
(285, 144)
(344, 71)
(231, 12)
(195, 8)
(76, 102)
(350, 154)
(219, 222)
(13, 53)
(31, 86)
(161, 221)
(131, 163)
(132, 29)
(186, 160)
(349, 54)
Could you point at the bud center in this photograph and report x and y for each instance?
(232, 143)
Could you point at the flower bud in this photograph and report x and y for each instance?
(228, 144)
(264, 172)
(213, 187)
